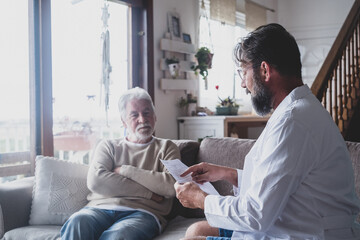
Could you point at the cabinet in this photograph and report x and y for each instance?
(240, 126)
(184, 52)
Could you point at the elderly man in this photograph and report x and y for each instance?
(297, 181)
(131, 192)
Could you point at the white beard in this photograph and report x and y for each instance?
(138, 134)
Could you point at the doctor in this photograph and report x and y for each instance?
(297, 181)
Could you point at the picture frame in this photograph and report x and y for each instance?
(186, 38)
(174, 26)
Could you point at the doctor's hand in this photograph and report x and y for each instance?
(207, 172)
(190, 195)
(203, 172)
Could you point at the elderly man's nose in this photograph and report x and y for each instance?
(141, 118)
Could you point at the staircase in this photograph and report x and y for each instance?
(337, 85)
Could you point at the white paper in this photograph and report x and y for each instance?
(176, 168)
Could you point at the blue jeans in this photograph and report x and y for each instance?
(224, 234)
(93, 223)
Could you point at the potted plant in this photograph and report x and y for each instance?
(188, 105)
(227, 106)
(173, 64)
(204, 62)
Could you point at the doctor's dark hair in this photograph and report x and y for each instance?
(273, 44)
(133, 93)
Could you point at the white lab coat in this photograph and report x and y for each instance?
(297, 181)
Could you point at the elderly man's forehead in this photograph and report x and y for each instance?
(139, 101)
(135, 102)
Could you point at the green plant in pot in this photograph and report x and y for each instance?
(204, 61)
(173, 65)
(227, 106)
(188, 105)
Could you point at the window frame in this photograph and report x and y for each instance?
(142, 50)
(41, 119)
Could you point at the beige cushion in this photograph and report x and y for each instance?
(59, 190)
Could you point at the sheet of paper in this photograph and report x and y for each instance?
(176, 168)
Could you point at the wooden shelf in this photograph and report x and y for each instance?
(185, 66)
(177, 46)
(179, 50)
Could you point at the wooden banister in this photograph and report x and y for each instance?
(337, 83)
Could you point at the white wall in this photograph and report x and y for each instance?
(165, 102)
(314, 24)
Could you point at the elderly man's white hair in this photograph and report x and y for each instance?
(133, 93)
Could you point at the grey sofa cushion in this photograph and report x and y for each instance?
(15, 202)
(188, 150)
(2, 231)
(354, 149)
(230, 153)
(48, 232)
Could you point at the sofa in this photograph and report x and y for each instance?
(17, 220)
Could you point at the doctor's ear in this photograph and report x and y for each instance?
(265, 70)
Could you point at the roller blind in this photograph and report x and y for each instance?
(255, 15)
(223, 11)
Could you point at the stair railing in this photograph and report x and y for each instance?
(337, 84)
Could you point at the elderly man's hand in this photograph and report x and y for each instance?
(190, 195)
(117, 170)
(157, 198)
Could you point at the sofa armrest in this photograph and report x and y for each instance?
(15, 204)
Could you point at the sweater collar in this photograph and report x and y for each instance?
(139, 144)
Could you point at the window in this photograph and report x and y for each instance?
(33, 82)
(14, 89)
(221, 39)
(79, 116)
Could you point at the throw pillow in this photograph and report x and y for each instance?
(59, 190)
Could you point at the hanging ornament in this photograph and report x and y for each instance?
(204, 62)
(204, 55)
(106, 66)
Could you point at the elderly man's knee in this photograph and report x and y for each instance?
(201, 229)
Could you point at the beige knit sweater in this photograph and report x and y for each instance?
(141, 174)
